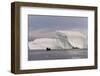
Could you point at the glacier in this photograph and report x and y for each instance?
(63, 40)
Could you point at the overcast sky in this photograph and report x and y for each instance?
(37, 24)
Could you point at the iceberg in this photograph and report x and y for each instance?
(75, 39)
(63, 40)
(42, 43)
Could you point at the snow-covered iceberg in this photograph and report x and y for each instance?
(63, 40)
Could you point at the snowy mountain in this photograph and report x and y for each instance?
(63, 40)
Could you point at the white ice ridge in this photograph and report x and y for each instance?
(63, 40)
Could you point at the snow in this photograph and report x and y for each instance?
(63, 40)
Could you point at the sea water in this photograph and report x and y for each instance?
(57, 54)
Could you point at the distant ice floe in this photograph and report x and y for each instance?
(63, 40)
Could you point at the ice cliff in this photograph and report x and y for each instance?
(63, 40)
